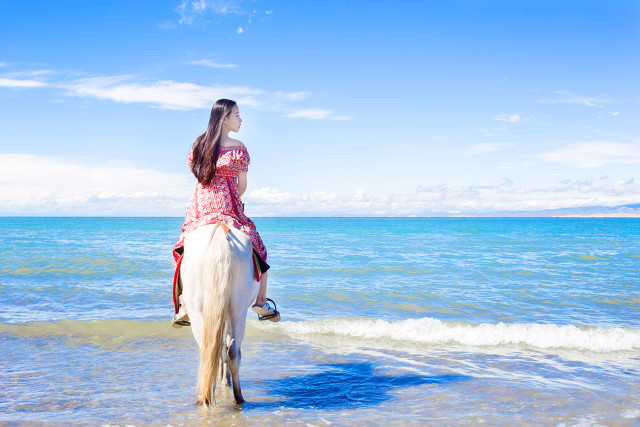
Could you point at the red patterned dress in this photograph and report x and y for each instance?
(220, 201)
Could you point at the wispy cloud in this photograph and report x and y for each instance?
(625, 187)
(316, 114)
(165, 94)
(486, 147)
(172, 95)
(211, 64)
(511, 118)
(566, 97)
(293, 96)
(593, 153)
(191, 11)
(21, 83)
(200, 13)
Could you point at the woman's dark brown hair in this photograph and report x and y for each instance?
(206, 148)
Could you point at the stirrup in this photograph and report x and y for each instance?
(274, 317)
(180, 319)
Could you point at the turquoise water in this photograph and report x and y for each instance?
(385, 320)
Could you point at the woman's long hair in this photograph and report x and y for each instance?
(206, 148)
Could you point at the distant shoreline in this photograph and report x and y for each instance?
(604, 215)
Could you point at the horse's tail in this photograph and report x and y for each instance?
(217, 285)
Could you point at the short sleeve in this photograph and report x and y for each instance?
(242, 160)
(233, 160)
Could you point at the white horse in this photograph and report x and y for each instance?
(218, 286)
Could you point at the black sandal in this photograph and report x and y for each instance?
(273, 316)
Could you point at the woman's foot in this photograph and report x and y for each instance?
(180, 319)
(267, 311)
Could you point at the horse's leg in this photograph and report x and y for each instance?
(223, 368)
(245, 292)
(235, 356)
(237, 324)
(192, 296)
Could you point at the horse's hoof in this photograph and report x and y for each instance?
(201, 401)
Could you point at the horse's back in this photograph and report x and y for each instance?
(197, 242)
(197, 245)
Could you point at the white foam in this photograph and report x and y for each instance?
(631, 413)
(433, 331)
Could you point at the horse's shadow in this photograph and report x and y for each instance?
(342, 386)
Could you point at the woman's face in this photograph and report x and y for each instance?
(233, 120)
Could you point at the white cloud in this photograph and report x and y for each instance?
(240, 30)
(500, 195)
(292, 96)
(224, 7)
(316, 114)
(32, 73)
(165, 94)
(619, 191)
(566, 97)
(272, 196)
(168, 94)
(593, 153)
(500, 183)
(21, 83)
(211, 64)
(45, 185)
(486, 147)
(615, 113)
(31, 184)
(192, 11)
(511, 118)
(198, 5)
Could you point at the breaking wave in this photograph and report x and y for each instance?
(432, 331)
(423, 331)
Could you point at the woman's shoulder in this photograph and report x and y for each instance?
(232, 143)
(234, 154)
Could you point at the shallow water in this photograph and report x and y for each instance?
(385, 321)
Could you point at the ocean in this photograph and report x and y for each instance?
(385, 321)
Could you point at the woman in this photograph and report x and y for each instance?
(220, 164)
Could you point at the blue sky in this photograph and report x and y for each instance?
(349, 108)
